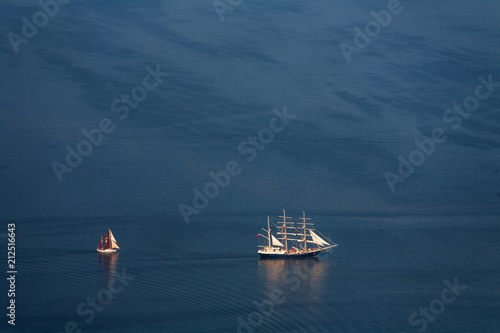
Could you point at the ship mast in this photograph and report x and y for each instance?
(304, 235)
(284, 227)
(268, 231)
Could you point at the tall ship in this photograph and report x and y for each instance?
(109, 244)
(295, 239)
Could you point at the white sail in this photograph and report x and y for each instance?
(113, 241)
(112, 237)
(317, 240)
(114, 245)
(276, 242)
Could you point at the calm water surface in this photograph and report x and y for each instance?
(206, 277)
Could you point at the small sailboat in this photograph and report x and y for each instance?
(299, 234)
(109, 243)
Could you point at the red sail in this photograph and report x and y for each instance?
(107, 244)
(99, 247)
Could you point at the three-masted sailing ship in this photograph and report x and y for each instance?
(293, 239)
(109, 243)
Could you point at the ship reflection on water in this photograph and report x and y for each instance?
(107, 262)
(303, 277)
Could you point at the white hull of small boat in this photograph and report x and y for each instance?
(106, 251)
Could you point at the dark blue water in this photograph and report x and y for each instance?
(355, 153)
(204, 278)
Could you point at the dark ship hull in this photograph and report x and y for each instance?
(271, 255)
